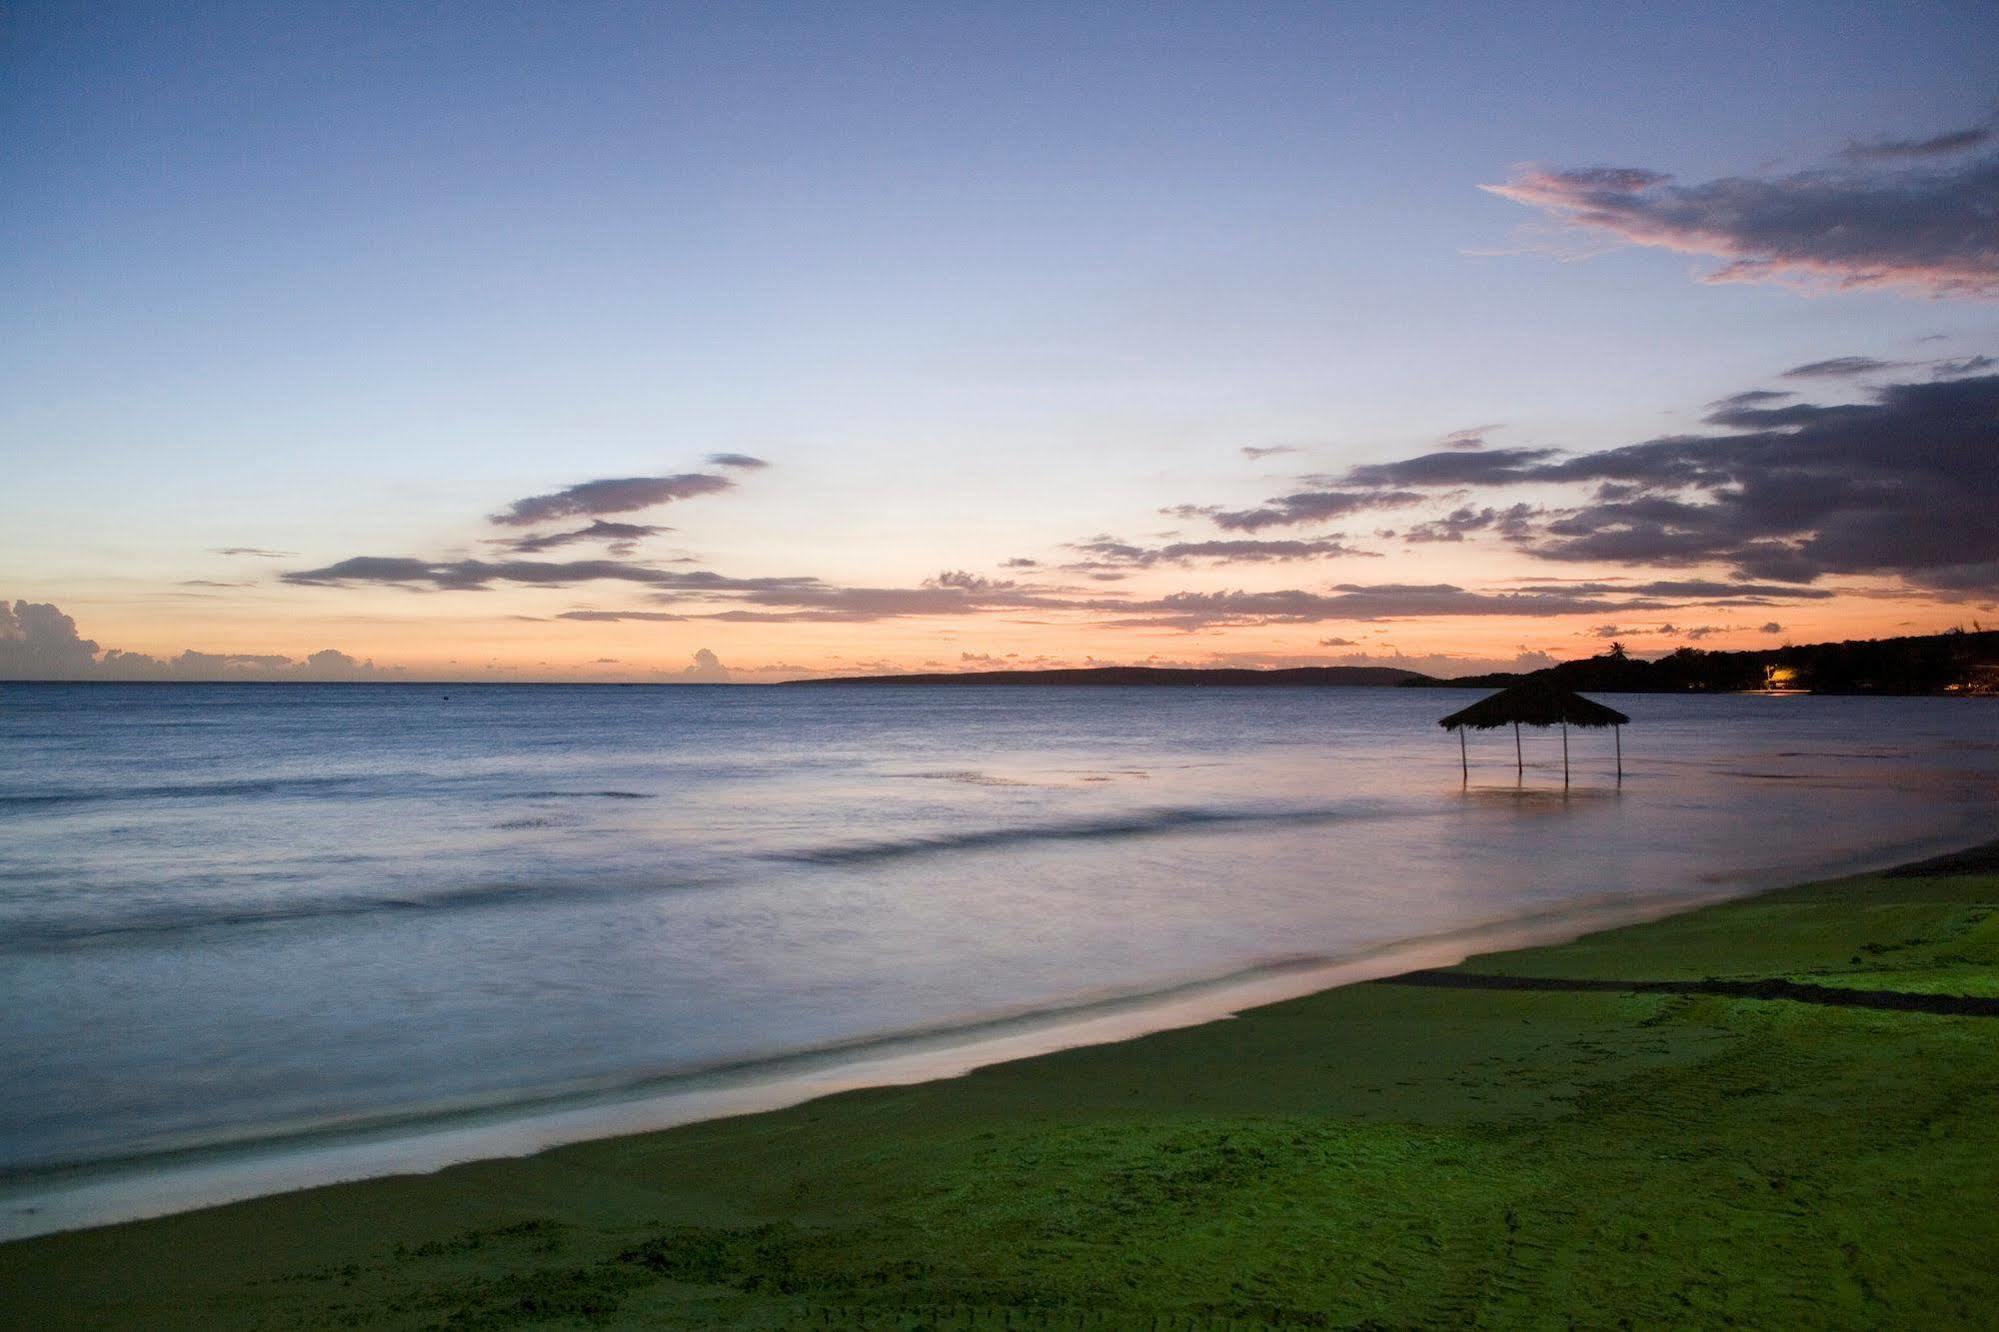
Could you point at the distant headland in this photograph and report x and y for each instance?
(1959, 662)
(1293, 677)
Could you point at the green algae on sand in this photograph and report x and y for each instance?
(1382, 1155)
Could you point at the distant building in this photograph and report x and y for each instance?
(1780, 679)
(1982, 680)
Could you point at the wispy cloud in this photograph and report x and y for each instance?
(617, 616)
(1963, 365)
(1194, 611)
(1310, 506)
(475, 575)
(1840, 367)
(1937, 145)
(623, 538)
(611, 495)
(1749, 398)
(1109, 552)
(1471, 437)
(1927, 229)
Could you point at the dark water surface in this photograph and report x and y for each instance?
(235, 911)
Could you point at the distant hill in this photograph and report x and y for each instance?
(1957, 662)
(1298, 677)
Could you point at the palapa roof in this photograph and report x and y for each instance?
(1533, 703)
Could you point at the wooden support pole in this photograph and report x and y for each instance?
(1519, 764)
(1565, 751)
(1464, 760)
(1617, 734)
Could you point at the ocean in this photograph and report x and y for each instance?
(239, 918)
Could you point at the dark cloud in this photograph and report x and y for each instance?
(39, 642)
(612, 495)
(1311, 506)
(858, 604)
(257, 551)
(613, 617)
(953, 594)
(1355, 601)
(1901, 485)
(1772, 627)
(775, 599)
(623, 538)
(1905, 485)
(1928, 229)
(1251, 452)
(1513, 523)
(1694, 632)
(1840, 367)
(474, 575)
(1964, 365)
(1749, 398)
(1484, 468)
(1698, 590)
(968, 582)
(1471, 437)
(1110, 552)
(1020, 563)
(741, 461)
(1956, 141)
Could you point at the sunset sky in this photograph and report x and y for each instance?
(641, 342)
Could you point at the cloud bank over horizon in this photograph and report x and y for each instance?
(39, 642)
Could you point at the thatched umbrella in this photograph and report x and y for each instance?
(1535, 703)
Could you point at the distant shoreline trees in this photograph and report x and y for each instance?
(1960, 661)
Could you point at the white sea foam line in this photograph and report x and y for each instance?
(40, 1208)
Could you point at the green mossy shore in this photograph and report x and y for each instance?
(1381, 1156)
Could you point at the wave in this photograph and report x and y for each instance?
(264, 786)
(1149, 824)
(574, 795)
(31, 935)
(43, 936)
(472, 1108)
(274, 786)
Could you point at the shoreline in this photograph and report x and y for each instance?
(61, 1199)
(1759, 1112)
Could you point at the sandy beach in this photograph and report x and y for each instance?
(1727, 1138)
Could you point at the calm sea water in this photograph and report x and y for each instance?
(232, 912)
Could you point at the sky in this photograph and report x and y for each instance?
(653, 342)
